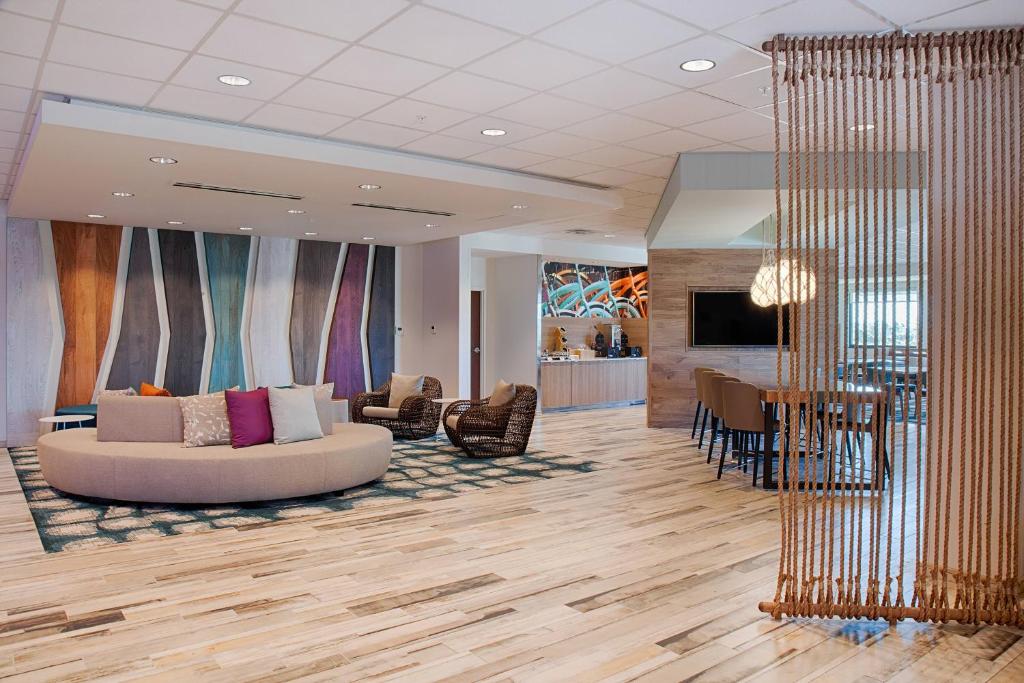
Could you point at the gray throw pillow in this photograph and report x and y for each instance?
(323, 394)
(293, 412)
(502, 394)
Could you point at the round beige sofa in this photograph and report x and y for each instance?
(75, 461)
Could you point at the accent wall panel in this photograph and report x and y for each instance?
(345, 343)
(314, 275)
(227, 263)
(86, 261)
(35, 333)
(380, 328)
(183, 291)
(270, 321)
(138, 347)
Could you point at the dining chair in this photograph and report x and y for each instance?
(744, 414)
(704, 389)
(718, 426)
(857, 420)
(697, 372)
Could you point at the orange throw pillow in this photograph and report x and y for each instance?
(148, 389)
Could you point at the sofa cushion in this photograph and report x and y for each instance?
(148, 389)
(381, 411)
(293, 411)
(402, 387)
(205, 418)
(503, 393)
(249, 415)
(135, 418)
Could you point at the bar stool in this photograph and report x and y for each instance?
(715, 385)
(704, 394)
(697, 372)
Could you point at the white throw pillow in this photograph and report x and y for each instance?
(293, 412)
(402, 387)
(503, 393)
(323, 394)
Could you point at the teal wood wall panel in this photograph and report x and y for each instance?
(314, 277)
(227, 262)
(184, 295)
(138, 345)
(380, 327)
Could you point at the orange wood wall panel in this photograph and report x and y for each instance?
(86, 257)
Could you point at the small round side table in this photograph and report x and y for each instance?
(62, 422)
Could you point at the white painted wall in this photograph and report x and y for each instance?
(408, 308)
(511, 320)
(3, 323)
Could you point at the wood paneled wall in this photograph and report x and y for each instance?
(581, 331)
(671, 397)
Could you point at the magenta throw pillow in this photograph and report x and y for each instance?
(249, 417)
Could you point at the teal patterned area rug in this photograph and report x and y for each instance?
(431, 469)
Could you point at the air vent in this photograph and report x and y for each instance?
(403, 208)
(238, 190)
(580, 231)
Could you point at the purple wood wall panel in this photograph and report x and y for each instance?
(345, 346)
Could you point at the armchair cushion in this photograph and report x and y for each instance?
(451, 421)
(402, 387)
(378, 411)
(503, 393)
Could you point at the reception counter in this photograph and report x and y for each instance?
(593, 382)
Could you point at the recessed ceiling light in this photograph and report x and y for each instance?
(493, 132)
(163, 160)
(862, 127)
(519, 207)
(697, 65)
(369, 186)
(311, 234)
(233, 80)
(295, 211)
(609, 236)
(95, 215)
(175, 222)
(123, 194)
(368, 239)
(246, 228)
(432, 225)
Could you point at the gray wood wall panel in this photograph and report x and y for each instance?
(183, 291)
(314, 275)
(138, 346)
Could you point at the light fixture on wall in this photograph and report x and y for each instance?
(780, 281)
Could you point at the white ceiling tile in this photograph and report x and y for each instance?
(16, 99)
(201, 72)
(730, 58)
(749, 90)
(514, 131)
(614, 155)
(670, 142)
(907, 12)
(615, 89)
(683, 108)
(75, 82)
(373, 133)
(332, 98)
(617, 31)
(342, 19)
(6, 169)
(11, 121)
(733, 127)
(534, 65)
(437, 37)
(23, 35)
(375, 70)
(201, 103)
(521, 16)
(241, 39)
(710, 15)
(611, 176)
(296, 120)
(557, 144)
(548, 111)
(614, 128)
(469, 92)
(563, 168)
(219, 4)
(6, 155)
(163, 22)
(661, 167)
(91, 50)
(506, 157)
(17, 70)
(418, 115)
(42, 9)
(805, 17)
(988, 14)
(761, 143)
(446, 146)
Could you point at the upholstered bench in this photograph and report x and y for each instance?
(84, 409)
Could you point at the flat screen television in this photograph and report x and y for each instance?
(731, 318)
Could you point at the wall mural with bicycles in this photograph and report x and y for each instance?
(575, 290)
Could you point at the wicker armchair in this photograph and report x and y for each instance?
(417, 417)
(484, 431)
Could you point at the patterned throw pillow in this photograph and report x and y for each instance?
(118, 392)
(205, 419)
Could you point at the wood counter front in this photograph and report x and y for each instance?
(600, 381)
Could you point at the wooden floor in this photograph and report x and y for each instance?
(648, 569)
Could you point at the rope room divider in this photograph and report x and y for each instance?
(898, 174)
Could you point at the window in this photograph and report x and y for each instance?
(889, 318)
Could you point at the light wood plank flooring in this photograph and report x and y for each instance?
(648, 569)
